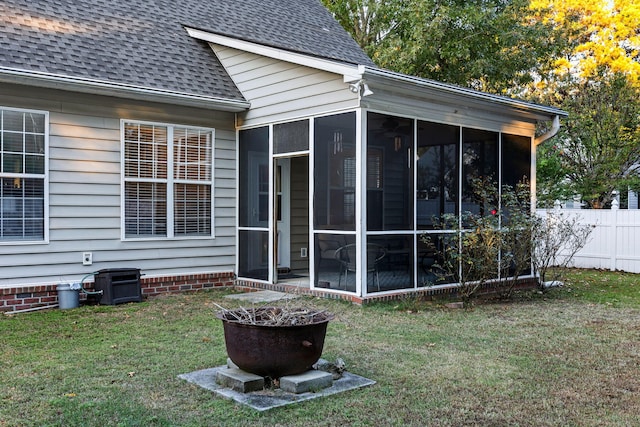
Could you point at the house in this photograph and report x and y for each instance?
(208, 143)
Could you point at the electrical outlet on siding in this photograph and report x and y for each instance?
(87, 258)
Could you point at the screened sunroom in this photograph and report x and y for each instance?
(342, 202)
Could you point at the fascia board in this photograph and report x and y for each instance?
(351, 72)
(99, 87)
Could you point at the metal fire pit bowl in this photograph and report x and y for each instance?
(274, 351)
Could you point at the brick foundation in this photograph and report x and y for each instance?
(42, 296)
(424, 293)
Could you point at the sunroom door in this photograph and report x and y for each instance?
(291, 199)
(282, 214)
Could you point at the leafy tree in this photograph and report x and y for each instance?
(594, 36)
(552, 183)
(598, 146)
(368, 21)
(484, 44)
(496, 45)
(597, 80)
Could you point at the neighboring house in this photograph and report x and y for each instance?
(208, 143)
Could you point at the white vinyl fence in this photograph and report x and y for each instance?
(614, 243)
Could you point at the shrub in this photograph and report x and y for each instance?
(557, 238)
(504, 240)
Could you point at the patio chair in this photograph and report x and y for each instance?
(346, 255)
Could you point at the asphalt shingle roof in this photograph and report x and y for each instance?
(144, 43)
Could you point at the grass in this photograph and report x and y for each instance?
(567, 357)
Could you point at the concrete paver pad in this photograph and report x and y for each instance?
(267, 399)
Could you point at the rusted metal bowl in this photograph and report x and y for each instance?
(274, 351)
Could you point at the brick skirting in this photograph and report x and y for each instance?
(43, 296)
(428, 293)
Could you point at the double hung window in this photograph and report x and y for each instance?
(168, 180)
(23, 138)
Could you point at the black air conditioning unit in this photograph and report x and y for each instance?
(118, 285)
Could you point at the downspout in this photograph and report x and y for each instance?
(555, 127)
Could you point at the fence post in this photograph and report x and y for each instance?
(615, 207)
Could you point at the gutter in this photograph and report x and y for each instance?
(555, 127)
(123, 90)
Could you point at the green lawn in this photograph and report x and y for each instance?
(567, 357)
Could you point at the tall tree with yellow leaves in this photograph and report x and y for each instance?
(597, 37)
(597, 80)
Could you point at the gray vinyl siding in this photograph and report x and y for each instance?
(280, 91)
(299, 212)
(85, 185)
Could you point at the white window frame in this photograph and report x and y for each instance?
(170, 181)
(44, 176)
